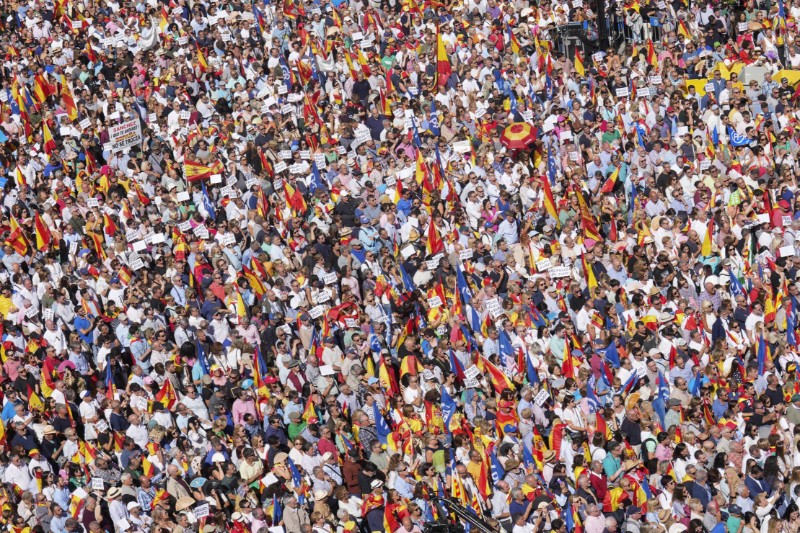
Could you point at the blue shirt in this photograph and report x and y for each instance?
(84, 323)
(611, 464)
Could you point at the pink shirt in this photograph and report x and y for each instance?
(241, 408)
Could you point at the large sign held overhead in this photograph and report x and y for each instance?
(125, 135)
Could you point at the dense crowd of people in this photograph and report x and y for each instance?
(318, 266)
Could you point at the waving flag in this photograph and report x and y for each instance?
(608, 186)
(763, 354)
(630, 384)
(50, 145)
(591, 397)
(434, 243)
(498, 473)
(43, 235)
(736, 140)
(610, 354)
(208, 205)
(166, 395)
(443, 67)
(381, 427)
(448, 408)
(499, 380)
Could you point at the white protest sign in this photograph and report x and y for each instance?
(97, 483)
(185, 226)
(655, 80)
(559, 272)
(708, 87)
(139, 246)
(330, 279)
(138, 402)
(322, 297)
(48, 314)
(125, 135)
(472, 372)
(543, 265)
(137, 264)
(201, 511)
(316, 311)
(465, 254)
(786, 251)
(462, 147)
(540, 398)
(622, 92)
(31, 312)
(434, 302)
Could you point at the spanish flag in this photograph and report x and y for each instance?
(43, 235)
(34, 402)
(294, 199)
(683, 31)
(309, 412)
(41, 88)
(443, 67)
(579, 66)
(50, 145)
(241, 309)
(499, 380)
(255, 283)
(705, 249)
(108, 225)
(591, 280)
(410, 365)
(434, 243)
(608, 186)
(194, 170)
(147, 467)
(201, 60)
(68, 99)
(652, 58)
(166, 395)
(549, 201)
(97, 244)
(16, 237)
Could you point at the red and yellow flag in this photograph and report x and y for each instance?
(68, 99)
(580, 68)
(16, 237)
(50, 145)
(43, 235)
(443, 67)
(166, 395)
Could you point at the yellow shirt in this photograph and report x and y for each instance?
(5, 305)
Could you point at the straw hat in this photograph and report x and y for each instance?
(184, 503)
(632, 400)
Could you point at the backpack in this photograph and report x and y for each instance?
(650, 461)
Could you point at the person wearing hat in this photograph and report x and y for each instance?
(116, 507)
